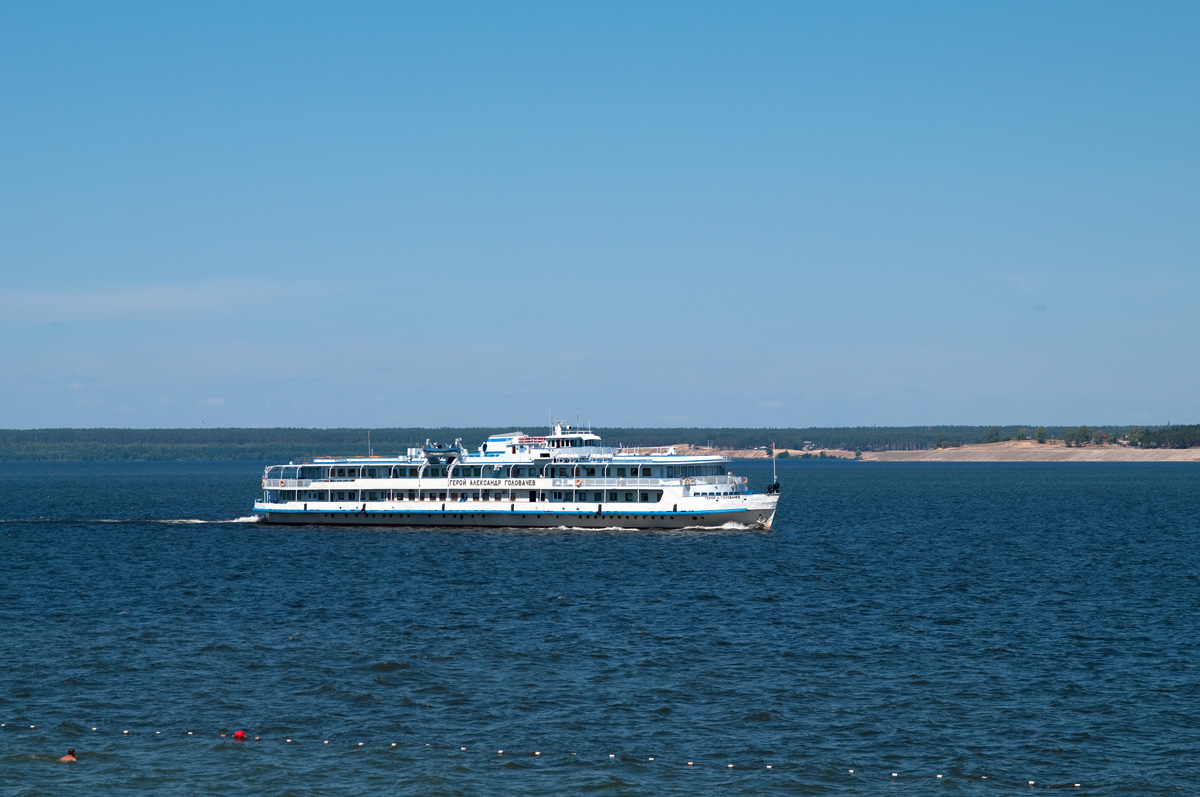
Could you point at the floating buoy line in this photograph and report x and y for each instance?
(242, 737)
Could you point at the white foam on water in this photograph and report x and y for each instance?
(185, 521)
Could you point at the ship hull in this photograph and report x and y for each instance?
(514, 516)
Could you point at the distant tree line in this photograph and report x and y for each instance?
(289, 444)
(1166, 437)
(284, 444)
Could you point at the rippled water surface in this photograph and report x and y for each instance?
(991, 624)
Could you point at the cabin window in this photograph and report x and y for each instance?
(558, 496)
(645, 497)
(591, 472)
(620, 473)
(612, 496)
(597, 497)
(629, 497)
(645, 473)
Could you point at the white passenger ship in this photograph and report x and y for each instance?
(566, 479)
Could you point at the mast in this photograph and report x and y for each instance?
(773, 488)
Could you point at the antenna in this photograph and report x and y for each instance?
(368, 443)
(774, 478)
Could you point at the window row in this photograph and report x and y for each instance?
(559, 496)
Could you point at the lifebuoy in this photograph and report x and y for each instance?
(281, 482)
(687, 481)
(264, 482)
(579, 482)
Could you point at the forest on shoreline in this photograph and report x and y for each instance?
(286, 444)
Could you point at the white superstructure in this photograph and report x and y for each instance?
(564, 479)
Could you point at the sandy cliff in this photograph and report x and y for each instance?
(1011, 451)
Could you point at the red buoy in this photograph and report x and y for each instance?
(240, 735)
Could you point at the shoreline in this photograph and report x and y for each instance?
(1008, 451)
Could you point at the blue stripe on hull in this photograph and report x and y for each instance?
(509, 519)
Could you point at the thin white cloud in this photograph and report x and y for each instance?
(168, 300)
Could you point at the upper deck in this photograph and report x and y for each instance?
(564, 455)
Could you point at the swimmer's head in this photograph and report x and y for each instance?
(71, 751)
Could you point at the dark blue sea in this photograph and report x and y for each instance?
(932, 628)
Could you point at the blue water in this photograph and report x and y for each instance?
(992, 624)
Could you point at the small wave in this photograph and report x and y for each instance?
(387, 666)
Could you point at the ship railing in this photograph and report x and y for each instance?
(643, 482)
(286, 483)
(589, 483)
(714, 479)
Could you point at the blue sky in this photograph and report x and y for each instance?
(729, 214)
